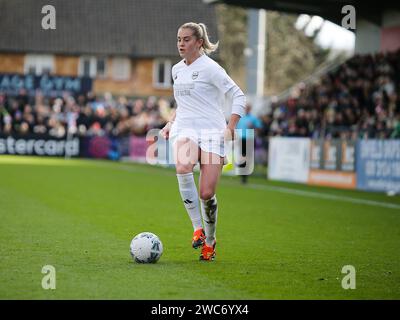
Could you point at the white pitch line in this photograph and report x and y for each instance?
(325, 196)
(310, 194)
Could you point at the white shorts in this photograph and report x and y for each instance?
(209, 140)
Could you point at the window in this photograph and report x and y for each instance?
(162, 73)
(92, 67)
(121, 68)
(39, 64)
(86, 68)
(101, 67)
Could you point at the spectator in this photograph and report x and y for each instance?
(248, 121)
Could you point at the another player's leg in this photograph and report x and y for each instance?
(209, 176)
(186, 156)
(243, 159)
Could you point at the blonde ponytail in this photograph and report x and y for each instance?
(200, 32)
(208, 46)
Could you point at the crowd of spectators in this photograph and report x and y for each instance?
(84, 115)
(360, 99)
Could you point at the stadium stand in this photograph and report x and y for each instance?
(359, 99)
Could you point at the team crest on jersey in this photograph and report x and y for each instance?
(195, 74)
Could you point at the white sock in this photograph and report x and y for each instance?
(190, 198)
(209, 210)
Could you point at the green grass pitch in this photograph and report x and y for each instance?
(275, 240)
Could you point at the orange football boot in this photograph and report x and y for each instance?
(198, 238)
(208, 253)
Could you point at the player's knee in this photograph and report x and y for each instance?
(206, 193)
(184, 168)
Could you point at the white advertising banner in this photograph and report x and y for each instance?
(289, 159)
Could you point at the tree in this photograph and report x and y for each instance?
(232, 30)
(290, 54)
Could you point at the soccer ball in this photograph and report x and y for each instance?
(146, 247)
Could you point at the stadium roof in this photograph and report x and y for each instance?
(135, 28)
(327, 9)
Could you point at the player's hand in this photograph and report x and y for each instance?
(229, 134)
(165, 131)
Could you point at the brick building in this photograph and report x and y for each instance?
(124, 46)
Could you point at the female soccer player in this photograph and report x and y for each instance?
(198, 129)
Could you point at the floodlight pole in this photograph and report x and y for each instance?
(255, 55)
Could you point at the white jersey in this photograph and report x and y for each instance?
(199, 90)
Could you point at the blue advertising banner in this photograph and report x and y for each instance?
(39, 145)
(44, 145)
(378, 165)
(11, 84)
